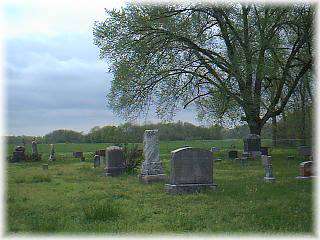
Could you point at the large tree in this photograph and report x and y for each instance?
(242, 60)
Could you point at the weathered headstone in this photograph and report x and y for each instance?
(96, 161)
(252, 145)
(52, 156)
(34, 151)
(268, 169)
(19, 154)
(151, 169)
(233, 154)
(34, 148)
(115, 161)
(191, 171)
(306, 169)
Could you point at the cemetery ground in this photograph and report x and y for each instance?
(73, 197)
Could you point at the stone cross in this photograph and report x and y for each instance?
(151, 169)
(52, 156)
(191, 171)
(115, 161)
(96, 161)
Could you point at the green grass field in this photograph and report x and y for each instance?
(72, 197)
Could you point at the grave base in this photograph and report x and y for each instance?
(152, 178)
(114, 171)
(269, 179)
(188, 188)
(302, 177)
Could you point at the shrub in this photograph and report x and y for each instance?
(133, 157)
(99, 211)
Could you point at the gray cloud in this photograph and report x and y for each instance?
(59, 82)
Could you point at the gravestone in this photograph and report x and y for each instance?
(305, 151)
(191, 171)
(19, 154)
(306, 170)
(102, 154)
(96, 161)
(264, 151)
(52, 156)
(34, 151)
(268, 168)
(252, 145)
(233, 154)
(34, 148)
(265, 160)
(151, 168)
(78, 154)
(115, 161)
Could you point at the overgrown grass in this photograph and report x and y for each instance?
(72, 197)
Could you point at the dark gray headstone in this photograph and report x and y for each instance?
(19, 154)
(264, 150)
(191, 170)
(115, 161)
(252, 143)
(233, 154)
(305, 151)
(78, 154)
(34, 148)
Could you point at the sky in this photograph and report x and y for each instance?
(54, 78)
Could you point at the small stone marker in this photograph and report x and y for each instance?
(151, 169)
(306, 170)
(78, 154)
(215, 149)
(233, 154)
(52, 156)
(115, 161)
(45, 166)
(19, 154)
(191, 171)
(96, 161)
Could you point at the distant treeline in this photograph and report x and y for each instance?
(286, 129)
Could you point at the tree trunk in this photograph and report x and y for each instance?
(303, 114)
(274, 131)
(254, 127)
